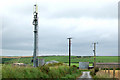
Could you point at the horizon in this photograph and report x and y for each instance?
(52, 55)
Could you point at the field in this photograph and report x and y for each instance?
(60, 71)
(74, 59)
(102, 74)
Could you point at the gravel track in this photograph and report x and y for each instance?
(85, 76)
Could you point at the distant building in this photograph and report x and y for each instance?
(83, 65)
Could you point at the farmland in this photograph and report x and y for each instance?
(74, 59)
(56, 71)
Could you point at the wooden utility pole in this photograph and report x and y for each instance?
(69, 50)
(94, 50)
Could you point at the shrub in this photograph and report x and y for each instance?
(92, 72)
(9, 71)
(45, 69)
(22, 72)
(54, 73)
(96, 70)
(72, 69)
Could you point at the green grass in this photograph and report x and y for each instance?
(77, 64)
(90, 64)
(100, 59)
(63, 71)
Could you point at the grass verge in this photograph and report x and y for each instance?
(61, 71)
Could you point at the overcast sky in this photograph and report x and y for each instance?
(86, 21)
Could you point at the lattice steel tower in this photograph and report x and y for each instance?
(35, 23)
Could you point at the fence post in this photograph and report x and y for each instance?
(108, 70)
(113, 73)
(105, 70)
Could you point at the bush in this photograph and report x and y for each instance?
(22, 72)
(9, 71)
(73, 69)
(45, 69)
(92, 72)
(54, 73)
(96, 70)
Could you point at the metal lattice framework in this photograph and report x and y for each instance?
(35, 23)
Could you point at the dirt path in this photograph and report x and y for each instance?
(85, 76)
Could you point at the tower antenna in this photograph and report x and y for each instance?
(35, 23)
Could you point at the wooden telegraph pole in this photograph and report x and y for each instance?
(69, 50)
(94, 50)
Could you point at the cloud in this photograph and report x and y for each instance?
(85, 21)
(78, 8)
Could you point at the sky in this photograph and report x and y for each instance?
(86, 21)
